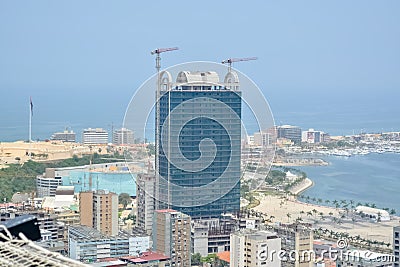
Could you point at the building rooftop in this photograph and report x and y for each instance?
(146, 257)
(166, 211)
(197, 76)
(224, 256)
(87, 233)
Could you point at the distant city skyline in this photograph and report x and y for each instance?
(315, 59)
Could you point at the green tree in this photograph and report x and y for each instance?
(196, 259)
(124, 199)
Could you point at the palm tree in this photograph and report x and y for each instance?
(288, 216)
(315, 212)
(373, 205)
(392, 212)
(327, 201)
(301, 213)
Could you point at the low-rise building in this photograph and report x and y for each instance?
(90, 245)
(65, 136)
(46, 184)
(374, 213)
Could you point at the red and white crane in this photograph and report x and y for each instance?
(229, 61)
(158, 51)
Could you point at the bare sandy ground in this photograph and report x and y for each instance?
(17, 152)
(280, 208)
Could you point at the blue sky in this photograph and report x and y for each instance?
(82, 60)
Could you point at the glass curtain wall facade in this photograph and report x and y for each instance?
(228, 148)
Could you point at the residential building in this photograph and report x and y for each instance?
(265, 138)
(64, 198)
(46, 184)
(396, 246)
(296, 237)
(290, 132)
(99, 210)
(213, 235)
(171, 236)
(145, 201)
(122, 136)
(65, 136)
(311, 136)
(314, 137)
(96, 136)
(253, 248)
(90, 245)
(208, 108)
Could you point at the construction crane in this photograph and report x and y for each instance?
(158, 51)
(229, 61)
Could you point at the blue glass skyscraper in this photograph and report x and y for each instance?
(198, 143)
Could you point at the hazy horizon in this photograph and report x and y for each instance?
(320, 65)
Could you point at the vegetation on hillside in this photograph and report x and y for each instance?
(21, 178)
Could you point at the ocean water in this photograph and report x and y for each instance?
(372, 178)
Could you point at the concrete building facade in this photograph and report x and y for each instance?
(145, 201)
(46, 184)
(65, 136)
(89, 245)
(123, 136)
(99, 210)
(290, 132)
(96, 136)
(171, 236)
(253, 248)
(299, 238)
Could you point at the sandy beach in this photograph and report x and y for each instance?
(280, 208)
(17, 152)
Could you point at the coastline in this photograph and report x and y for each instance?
(306, 184)
(289, 209)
